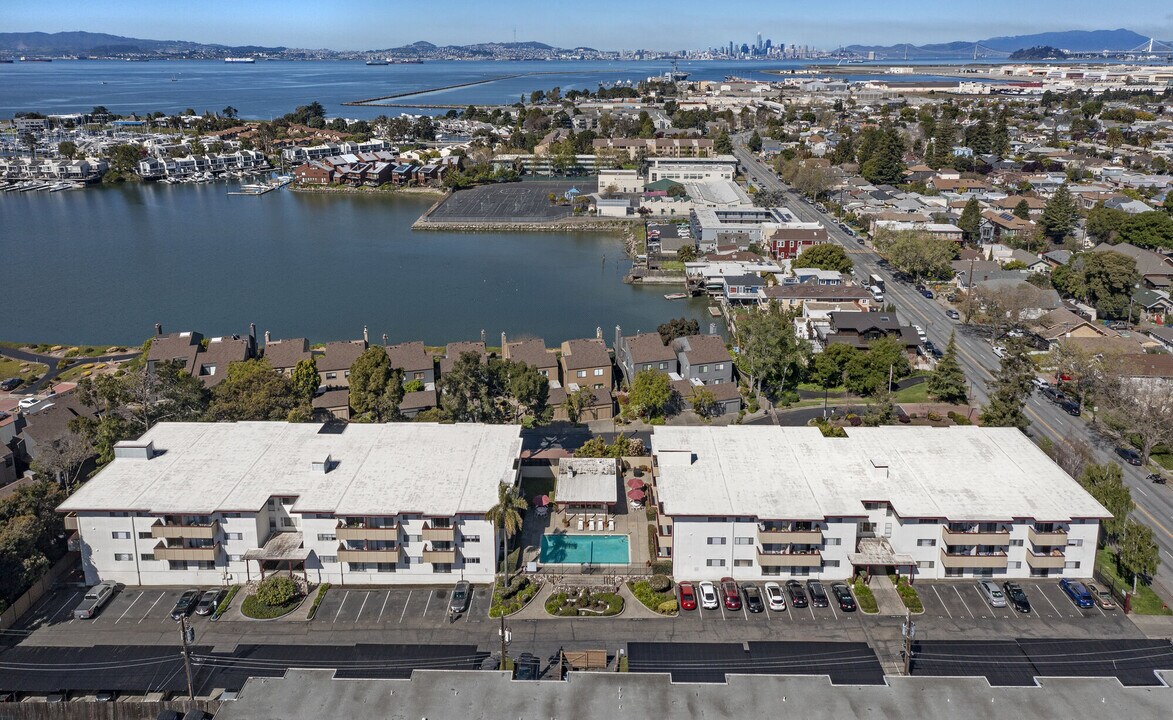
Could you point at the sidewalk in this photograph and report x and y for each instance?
(887, 599)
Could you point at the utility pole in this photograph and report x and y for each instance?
(907, 631)
(969, 292)
(187, 637)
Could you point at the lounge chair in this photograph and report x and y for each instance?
(610, 524)
(580, 523)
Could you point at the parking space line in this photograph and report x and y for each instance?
(340, 607)
(365, 596)
(427, 604)
(788, 614)
(812, 609)
(384, 607)
(721, 607)
(1044, 594)
(700, 610)
(67, 603)
(152, 607)
(985, 605)
(1101, 610)
(942, 601)
(971, 615)
(833, 613)
(766, 607)
(405, 604)
(128, 607)
(472, 598)
(745, 610)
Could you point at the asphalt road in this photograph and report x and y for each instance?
(54, 365)
(1154, 503)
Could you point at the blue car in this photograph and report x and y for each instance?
(1077, 592)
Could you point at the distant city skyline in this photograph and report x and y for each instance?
(604, 24)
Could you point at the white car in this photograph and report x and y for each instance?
(920, 333)
(708, 595)
(992, 593)
(1040, 383)
(1000, 351)
(775, 598)
(28, 402)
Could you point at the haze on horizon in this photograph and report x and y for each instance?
(604, 24)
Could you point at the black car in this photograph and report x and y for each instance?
(753, 598)
(927, 293)
(818, 595)
(210, 601)
(797, 596)
(1129, 456)
(1016, 596)
(1052, 393)
(1157, 478)
(1070, 407)
(10, 384)
(843, 596)
(185, 604)
(527, 667)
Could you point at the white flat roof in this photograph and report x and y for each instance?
(957, 473)
(587, 480)
(201, 468)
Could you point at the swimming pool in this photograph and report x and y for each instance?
(589, 549)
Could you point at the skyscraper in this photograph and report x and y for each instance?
(759, 45)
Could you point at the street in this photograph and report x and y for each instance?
(1154, 504)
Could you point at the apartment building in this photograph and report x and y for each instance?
(758, 503)
(209, 503)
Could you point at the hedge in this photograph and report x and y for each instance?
(652, 600)
(226, 602)
(318, 599)
(865, 598)
(517, 594)
(257, 610)
(908, 595)
(584, 604)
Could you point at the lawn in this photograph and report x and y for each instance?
(11, 368)
(918, 393)
(1145, 602)
(1165, 460)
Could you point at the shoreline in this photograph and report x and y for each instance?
(347, 189)
(604, 225)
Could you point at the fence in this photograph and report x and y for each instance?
(585, 659)
(22, 604)
(118, 710)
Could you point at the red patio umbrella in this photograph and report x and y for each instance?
(636, 482)
(636, 494)
(541, 500)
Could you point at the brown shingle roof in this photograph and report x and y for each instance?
(585, 353)
(340, 355)
(410, 357)
(212, 364)
(816, 292)
(702, 349)
(531, 352)
(454, 350)
(421, 400)
(287, 353)
(176, 346)
(1147, 365)
(647, 348)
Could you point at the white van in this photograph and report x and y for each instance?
(877, 294)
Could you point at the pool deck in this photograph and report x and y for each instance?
(593, 557)
(629, 521)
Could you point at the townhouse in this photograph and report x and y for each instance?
(360, 504)
(760, 503)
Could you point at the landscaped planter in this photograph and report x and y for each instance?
(531, 591)
(287, 609)
(584, 603)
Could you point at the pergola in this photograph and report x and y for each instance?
(283, 550)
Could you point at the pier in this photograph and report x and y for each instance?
(377, 101)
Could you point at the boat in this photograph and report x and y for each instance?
(244, 60)
(6, 61)
(26, 58)
(675, 296)
(714, 311)
(377, 62)
(676, 74)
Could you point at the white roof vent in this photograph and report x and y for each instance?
(134, 450)
(677, 458)
(321, 466)
(879, 468)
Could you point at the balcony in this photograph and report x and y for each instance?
(176, 531)
(362, 532)
(956, 537)
(811, 559)
(664, 541)
(70, 521)
(206, 554)
(1055, 537)
(1054, 560)
(998, 561)
(440, 557)
(789, 537)
(439, 534)
(385, 555)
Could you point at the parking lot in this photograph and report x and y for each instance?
(963, 601)
(508, 202)
(144, 608)
(402, 607)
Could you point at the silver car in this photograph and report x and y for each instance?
(992, 593)
(460, 598)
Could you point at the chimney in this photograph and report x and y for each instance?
(158, 328)
(879, 470)
(482, 335)
(598, 332)
(504, 342)
(365, 335)
(252, 332)
(384, 338)
(267, 337)
(618, 334)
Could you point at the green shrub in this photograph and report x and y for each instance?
(662, 567)
(227, 601)
(933, 417)
(652, 599)
(865, 598)
(650, 512)
(521, 590)
(908, 595)
(318, 599)
(959, 419)
(253, 608)
(660, 583)
(276, 590)
(667, 607)
(588, 604)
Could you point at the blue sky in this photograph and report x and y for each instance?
(606, 24)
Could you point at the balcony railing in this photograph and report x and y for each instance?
(960, 537)
(1055, 559)
(996, 560)
(363, 532)
(384, 555)
(440, 557)
(790, 559)
(181, 531)
(1054, 537)
(439, 534)
(773, 536)
(206, 554)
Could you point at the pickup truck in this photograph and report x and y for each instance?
(94, 599)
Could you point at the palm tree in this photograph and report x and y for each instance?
(506, 516)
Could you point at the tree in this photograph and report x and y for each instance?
(678, 327)
(529, 388)
(650, 393)
(32, 537)
(1104, 222)
(686, 253)
(1142, 407)
(1022, 210)
(67, 149)
(1105, 483)
(755, 142)
(885, 163)
(1010, 388)
(1104, 279)
(917, 253)
(229, 112)
(827, 256)
(971, 220)
(63, 459)
(1060, 215)
(306, 379)
(577, 402)
(1153, 229)
(1008, 305)
(828, 367)
(947, 383)
(1139, 554)
(870, 372)
(505, 516)
(253, 390)
(475, 390)
(703, 401)
(722, 144)
(276, 590)
(376, 388)
(769, 353)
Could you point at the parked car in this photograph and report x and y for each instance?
(843, 596)
(687, 596)
(1157, 478)
(461, 596)
(775, 598)
(1017, 596)
(1129, 456)
(920, 333)
(708, 595)
(992, 593)
(730, 593)
(929, 346)
(952, 314)
(1070, 406)
(94, 599)
(1077, 592)
(999, 351)
(927, 293)
(185, 604)
(753, 598)
(27, 402)
(1040, 383)
(527, 667)
(1101, 596)
(210, 601)
(1051, 393)
(106, 695)
(797, 596)
(10, 384)
(818, 595)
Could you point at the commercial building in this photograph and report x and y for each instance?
(768, 502)
(210, 503)
(719, 167)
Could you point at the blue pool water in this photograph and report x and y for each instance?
(594, 549)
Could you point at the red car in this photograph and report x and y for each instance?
(687, 596)
(731, 594)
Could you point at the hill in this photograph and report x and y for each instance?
(1072, 41)
(87, 43)
(1039, 52)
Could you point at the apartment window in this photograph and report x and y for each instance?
(415, 538)
(926, 543)
(144, 535)
(1074, 542)
(598, 372)
(346, 373)
(743, 541)
(235, 558)
(120, 535)
(146, 556)
(331, 376)
(718, 562)
(953, 572)
(1014, 565)
(1016, 543)
(926, 564)
(415, 559)
(417, 376)
(719, 366)
(582, 373)
(123, 557)
(471, 538)
(328, 559)
(743, 563)
(831, 563)
(704, 368)
(286, 522)
(472, 561)
(327, 536)
(663, 366)
(234, 536)
(716, 541)
(1071, 565)
(287, 501)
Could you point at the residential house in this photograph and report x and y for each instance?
(788, 242)
(1155, 305)
(704, 358)
(1156, 271)
(335, 403)
(415, 402)
(180, 347)
(532, 352)
(727, 396)
(284, 355)
(454, 350)
(795, 295)
(212, 363)
(996, 227)
(1053, 326)
(1162, 337)
(860, 329)
(314, 173)
(335, 361)
(586, 363)
(742, 289)
(645, 351)
(415, 361)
